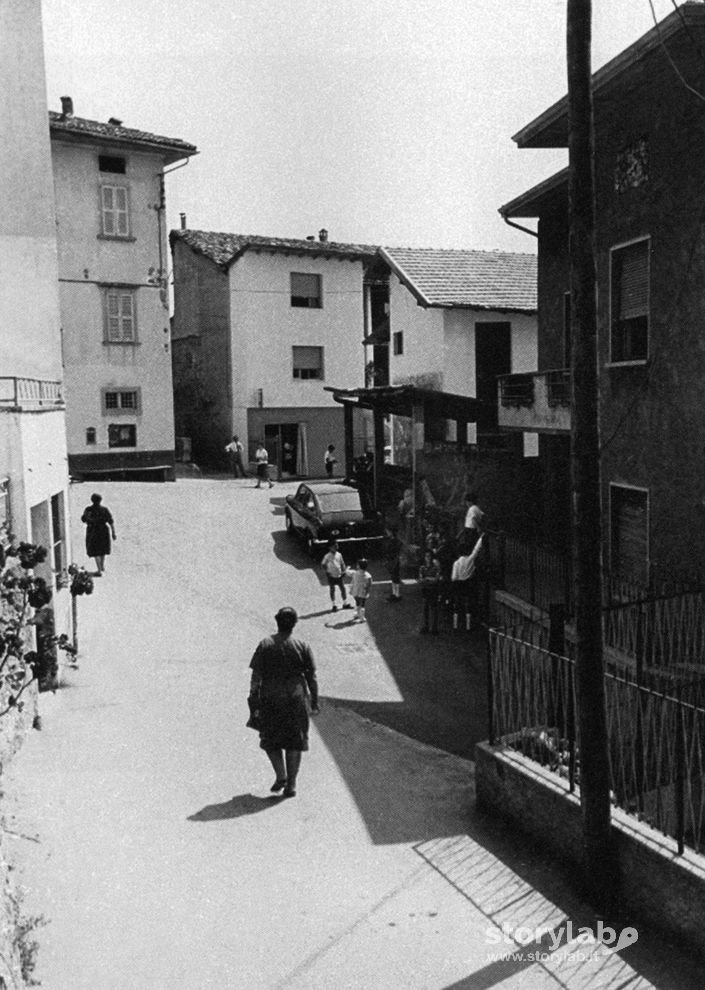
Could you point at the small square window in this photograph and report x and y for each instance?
(112, 163)
(90, 436)
(120, 435)
(307, 362)
(120, 316)
(306, 290)
(398, 342)
(122, 401)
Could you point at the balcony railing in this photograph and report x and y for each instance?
(30, 393)
(535, 401)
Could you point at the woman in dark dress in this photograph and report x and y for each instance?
(99, 527)
(284, 690)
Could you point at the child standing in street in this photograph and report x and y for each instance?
(334, 566)
(360, 588)
(429, 579)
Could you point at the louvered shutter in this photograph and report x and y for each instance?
(113, 308)
(630, 534)
(108, 215)
(127, 320)
(121, 224)
(634, 281)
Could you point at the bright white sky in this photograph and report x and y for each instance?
(385, 121)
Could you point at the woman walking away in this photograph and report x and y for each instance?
(284, 689)
(99, 527)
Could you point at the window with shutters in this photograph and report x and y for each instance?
(120, 315)
(629, 336)
(114, 203)
(629, 533)
(306, 290)
(307, 362)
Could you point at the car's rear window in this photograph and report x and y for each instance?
(340, 502)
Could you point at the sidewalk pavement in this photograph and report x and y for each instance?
(145, 833)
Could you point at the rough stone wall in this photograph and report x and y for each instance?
(201, 356)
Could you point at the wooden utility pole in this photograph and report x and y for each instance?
(585, 464)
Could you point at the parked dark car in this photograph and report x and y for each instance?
(324, 511)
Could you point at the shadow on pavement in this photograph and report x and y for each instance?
(238, 807)
(290, 550)
(277, 506)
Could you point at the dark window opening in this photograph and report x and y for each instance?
(122, 436)
(90, 435)
(398, 341)
(112, 163)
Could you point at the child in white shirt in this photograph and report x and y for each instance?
(360, 588)
(334, 566)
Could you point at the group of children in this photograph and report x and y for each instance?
(447, 576)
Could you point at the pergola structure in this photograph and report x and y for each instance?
(420, 405)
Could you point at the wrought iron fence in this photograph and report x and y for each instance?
(663, 632)
(656, 743)
(536, 574)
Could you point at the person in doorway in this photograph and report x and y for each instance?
(360, 588)
(284, 688)
(334, 566)
(430, 579)
(235, 449)
(99, 528)
(330, 460)
(262, 461)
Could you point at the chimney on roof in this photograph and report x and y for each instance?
(66, 107)
(183, 220)
(323, 235)
(115, 122)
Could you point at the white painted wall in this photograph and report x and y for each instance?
(265, 327)
(29, 312)
(439, 344)
(423, 337)
(86, 261)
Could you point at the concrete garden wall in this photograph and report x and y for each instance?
(658, 886)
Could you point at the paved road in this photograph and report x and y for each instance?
(141, 818)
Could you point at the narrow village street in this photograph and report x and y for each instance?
(140, 817)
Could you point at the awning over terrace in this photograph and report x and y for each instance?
(418, 404)
(401, 400)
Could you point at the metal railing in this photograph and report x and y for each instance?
(29, 392)
(656, 743)
(516, 390)
(536, 574)
(666, 631)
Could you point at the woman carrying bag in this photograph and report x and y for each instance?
(283, 691)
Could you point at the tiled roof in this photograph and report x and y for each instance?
(223, 248)
(78, 127)
(487, 280)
